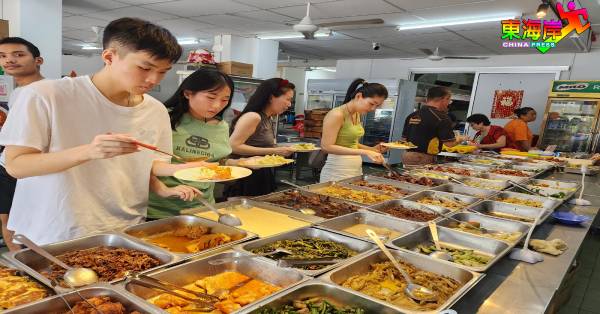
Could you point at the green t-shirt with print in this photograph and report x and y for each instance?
(192, 139)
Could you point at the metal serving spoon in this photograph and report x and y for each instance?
(439, 254)
(226, 219)
(74, 276)
(413, 290)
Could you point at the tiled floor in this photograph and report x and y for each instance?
(585, 298)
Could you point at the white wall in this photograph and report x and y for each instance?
(298, 77)
(82, 65)
(583, 65)
(262, 54)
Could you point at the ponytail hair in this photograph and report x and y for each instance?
(366, 89)
(519, 112)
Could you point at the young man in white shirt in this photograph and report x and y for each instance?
(20, 59)
(72, 142)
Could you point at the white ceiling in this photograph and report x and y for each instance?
(203, 19)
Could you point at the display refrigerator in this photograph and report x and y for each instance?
(571, 117)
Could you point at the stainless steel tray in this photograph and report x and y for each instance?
(462, 239)
(371, 218)
(311, 219)
(480, 168)
(6, 263)
(490, 223)
(257, 268)
(465, 190)
(530, 212)
(548, 203)
(383, 174)
(169, 224)
(361, 266)
(270, 198)
(435, 175)
(591, 171)
(495, 162)
(468, 200)
(379, 208)
(329, 291)
(487, 184)
(560, 195)
(532, 167)
(381, 180)
(34, 264)
(55, 305)
(355, 244)
(442, 168)
(570, 186)
(316, 187)
(496, 176)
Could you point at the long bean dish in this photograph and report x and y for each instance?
(313, 305)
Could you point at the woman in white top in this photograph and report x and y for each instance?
(342, 130)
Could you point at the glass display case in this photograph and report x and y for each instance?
(378, 123)
(570, 124)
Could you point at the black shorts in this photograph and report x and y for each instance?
(7, 190)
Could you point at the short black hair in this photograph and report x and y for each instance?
(438, 92)
(479, 118)
(139, 35)
(523, 111)
(18, 40)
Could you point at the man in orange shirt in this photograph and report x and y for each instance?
(519, 134)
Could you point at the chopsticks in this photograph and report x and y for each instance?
(154, 148)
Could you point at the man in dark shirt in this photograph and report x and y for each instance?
(429, 128)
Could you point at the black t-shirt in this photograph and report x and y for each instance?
(428, 128)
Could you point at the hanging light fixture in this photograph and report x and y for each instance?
(542, 10)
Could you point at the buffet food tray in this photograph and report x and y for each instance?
(361, 266)
(490, 223)
(559, 185)
(464, 190)
(56, 305)
(329, 291)
(410, 205)
(461, 239)
(549, 204)
(316, 187)
(556, 194)
(538, 168)
(254, 267)
(269, 198)
(338, 224)
(502, 177)
(477, 161)
(468, 200)
(480, 168)
(408, 187)
(511, 209)
(494, 185)
(444, 176)
(34, 264)
(591, 171)
(256, 203)
(360, 246)
(440, 168)
(382, 176)
(169, 224)
(5, 290)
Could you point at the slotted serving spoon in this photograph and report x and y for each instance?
(413, 290)
(74, 276)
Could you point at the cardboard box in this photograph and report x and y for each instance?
(3, 28)
(313, 123)
(236, 68)
(312, 134)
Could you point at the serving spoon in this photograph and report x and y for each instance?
(439, 254)
(413, 290)
(226, 219)
(74, 276)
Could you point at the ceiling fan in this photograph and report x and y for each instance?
(435, 55)
(96, 41)
(308, 28)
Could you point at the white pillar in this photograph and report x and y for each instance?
(40, 22)
(261, 53)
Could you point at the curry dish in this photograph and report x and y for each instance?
(17, 290)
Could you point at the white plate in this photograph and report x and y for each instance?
(297, 150)
(397, 146)
(260, 166)
(191, 174)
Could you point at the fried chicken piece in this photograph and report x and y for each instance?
(102, 303)
(191, 232)
(226, 280)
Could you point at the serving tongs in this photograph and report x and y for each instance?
(204, 301)
(393, 170)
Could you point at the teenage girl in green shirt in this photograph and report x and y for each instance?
(199, 132)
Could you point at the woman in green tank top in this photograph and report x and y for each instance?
(342, 130)
(199, 133)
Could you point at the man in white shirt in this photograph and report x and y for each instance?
(20, 59)
(72, 142)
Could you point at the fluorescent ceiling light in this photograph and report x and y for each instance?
(325, 69)
(90, 48)
(463, 21)
(291, 35)
(187, 41)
